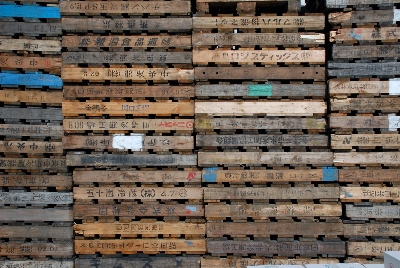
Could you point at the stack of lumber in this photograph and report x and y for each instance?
(35, 197)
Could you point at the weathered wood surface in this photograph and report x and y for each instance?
(132, 176)
(142, 228)
(369, 175)
(363, 158)
(33, 80)
(30, 11)
(126, 57)
(128, 124)
(375, 211)
(137, 108)
(37, 263)
(18, 130)
(132, 246)
(34, 163)
(31, 147)
(219, 229)
(132, 193)
(64, 250)
(133, 24)
(267, 158)
(32, 45)
(53, 114)
(371, 229)
(137, 41)
(273, 247)
(363, 69)
(390, 122)
(30, 28)
(257, 193)
(35, 198)
(240, 262)
(364, 34)
(387, 141)
(350, 104)
(365, 51)
(37, 180)
(7, 61)
(345, 86)
(131, 160)
(344, 3)
(262, 22)
(260, 123)
(33, 231)
(132, 210)
(373, 194)
(31, 96)
(128, 262)
(251, 56)
(125, 74)
(137, 142)
(261, 176)
(257, 39)
(123, 91)
(261, 90)
(364, 16)
(266, 211)
(260, 73)
(31, 214)
(370, 248)
(261, 140)
(269, 108)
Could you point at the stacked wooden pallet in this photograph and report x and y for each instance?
(364, 102)
(35, 198)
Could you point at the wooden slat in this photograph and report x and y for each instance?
(268, 158)
(58, 164)
(124, 74)
(31, 113)
(308, 192)
(241, 262)
(369, 175)
(64, 250)
(371, 229)
(364, 34)
(363, 69)
(30, 11)
(154, 261)
(137, 108)
(30, 28)
(349, 104)
(37, 263)
(30, 80)
(388, 141)
(382, 158)
(131, 246)
(29, 62)
(136, 41)
(31, 147)
(31, 214)
(57, 232)
(30, 45)
(132, 176)
(35, 198)
(365, 51)
(142, 228)
(344, 86)
(364, 16)
(31, 96)
(344, 3)
(347, 122)
(371, 248)
(37, 180)
(255, 39)
(263, 22)
(373, 194)
(131, 193)
(17, 130)
(265, 212)
(374, 211)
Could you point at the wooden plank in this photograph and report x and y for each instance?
(18, 130)
(58, 164)
(153, 261)
(31, 214)
(309, 192)
(364, 34)
(138, 41)
(373, 194)
(364, 16)
(29, 62)
(31, 45)
(31, 96)
(132, 193)
(157, 227)
(131, 160)
(391, 122)
(35, 198)
(246, 56)
(132, 246)
(30, 28)
(266, 211)
(267, 158)
(132, 210)
(128, 124)
(260, 90)
(382, 158)
(371, 229)
(365, 51)
(126, 74)
(33, 231)
(349, 104)
(219, 229)
(127, 57)
(136, 108)
(371, 248)
(38, 263)
(260, 123)
(270, 108)
(368, 175)
(30, 12)
(259, 73)
(257, 39)
(262, 22)
(261, 176)
(240, 262)
(133, 24)
(31, 147)
(36, 249)
(30, 80)
(363, 69)
(344, 3)
(132, 176)
(273, 247)
(128, 7)
(344, 86)
(31, 113)
(133, 142)
(387, 141)
(374, 211)
(261, 140)
(36, 180)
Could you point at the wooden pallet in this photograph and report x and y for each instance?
(365, 121)
(239, 262)
(370, 174)
(345, 3)
(376, 87)
(380, 229)
(30, 11)
(45, 46)
(365, 52)
(30, 80)
(371, 193)
(384, 17)
(365, 69)
(370, 248)
(32, 130)
(38, 164)
(378, 211)
(34, 147)
(31, 97)
(356, 35)
(42, 180)
(39, 263)
(366, 159)
(30, 28)
(14, 113)
(31, 62)
(365, 141)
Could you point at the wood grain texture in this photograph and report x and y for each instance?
(373, 194)
(365, 51)
(364, 34)
(345, 86)
(35, 198)
(19, 130)
(362, 122)
(31, 214)
(42, 249)
(239, 262)
(370, 248)
(387, 141)
(49, 63)
(388, 69)
(58, 164)
(31, 147)
(38, 263)
(364, 16)
(350, 104)
(344, 3)
(56, 232)
(31, 45)
(31, 113)
(36, 180)
(369, 175)
(127, 262)
(371, 229)
(30, 28)
(374, 211)
(31, 96)
(354, 158)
